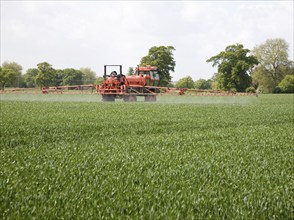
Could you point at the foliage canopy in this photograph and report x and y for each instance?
(274, 63)
(234, 66)
(10, 74)
(202, 84)
(185, 82)
(46, 75)
(287, 84)
(29, 77)
(71, 76)
(88, 75)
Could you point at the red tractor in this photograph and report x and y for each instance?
(144, 82)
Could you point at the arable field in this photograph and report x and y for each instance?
(75, 157)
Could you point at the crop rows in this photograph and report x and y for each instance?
(190, 158)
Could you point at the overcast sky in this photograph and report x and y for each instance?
(75, 34)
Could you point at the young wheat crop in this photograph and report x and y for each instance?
(191, 158)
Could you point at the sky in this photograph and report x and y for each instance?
(75, 34)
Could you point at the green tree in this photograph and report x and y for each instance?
(88, 76)
(130, 71)
(99, 80)
(46, 75)
(274, 63)
(234, 66)
(287, 84)
(71, 76)
(185, 82)
(170, 85)
(29, 77)
(14, 80)
(163, 58)
(289, 69)
(58, 77)
(202, 84)
(214, 82)
(6, 76)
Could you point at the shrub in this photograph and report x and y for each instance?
(287, 84)
(277, 89)
(233, 90)
(250, 89)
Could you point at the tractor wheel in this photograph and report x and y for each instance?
(108, 98)
(126, 98)
(130, 98)
(150, 98)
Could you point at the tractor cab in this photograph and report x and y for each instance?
(113, 73)
(150, 73)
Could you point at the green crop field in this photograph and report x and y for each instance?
(75, 157)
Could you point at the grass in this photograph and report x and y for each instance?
(72, 156)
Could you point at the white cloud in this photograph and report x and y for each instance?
(196, 11)
(93, 33)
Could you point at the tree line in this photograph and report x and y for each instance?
(266, 68)
(43, 76)
(187, 82)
